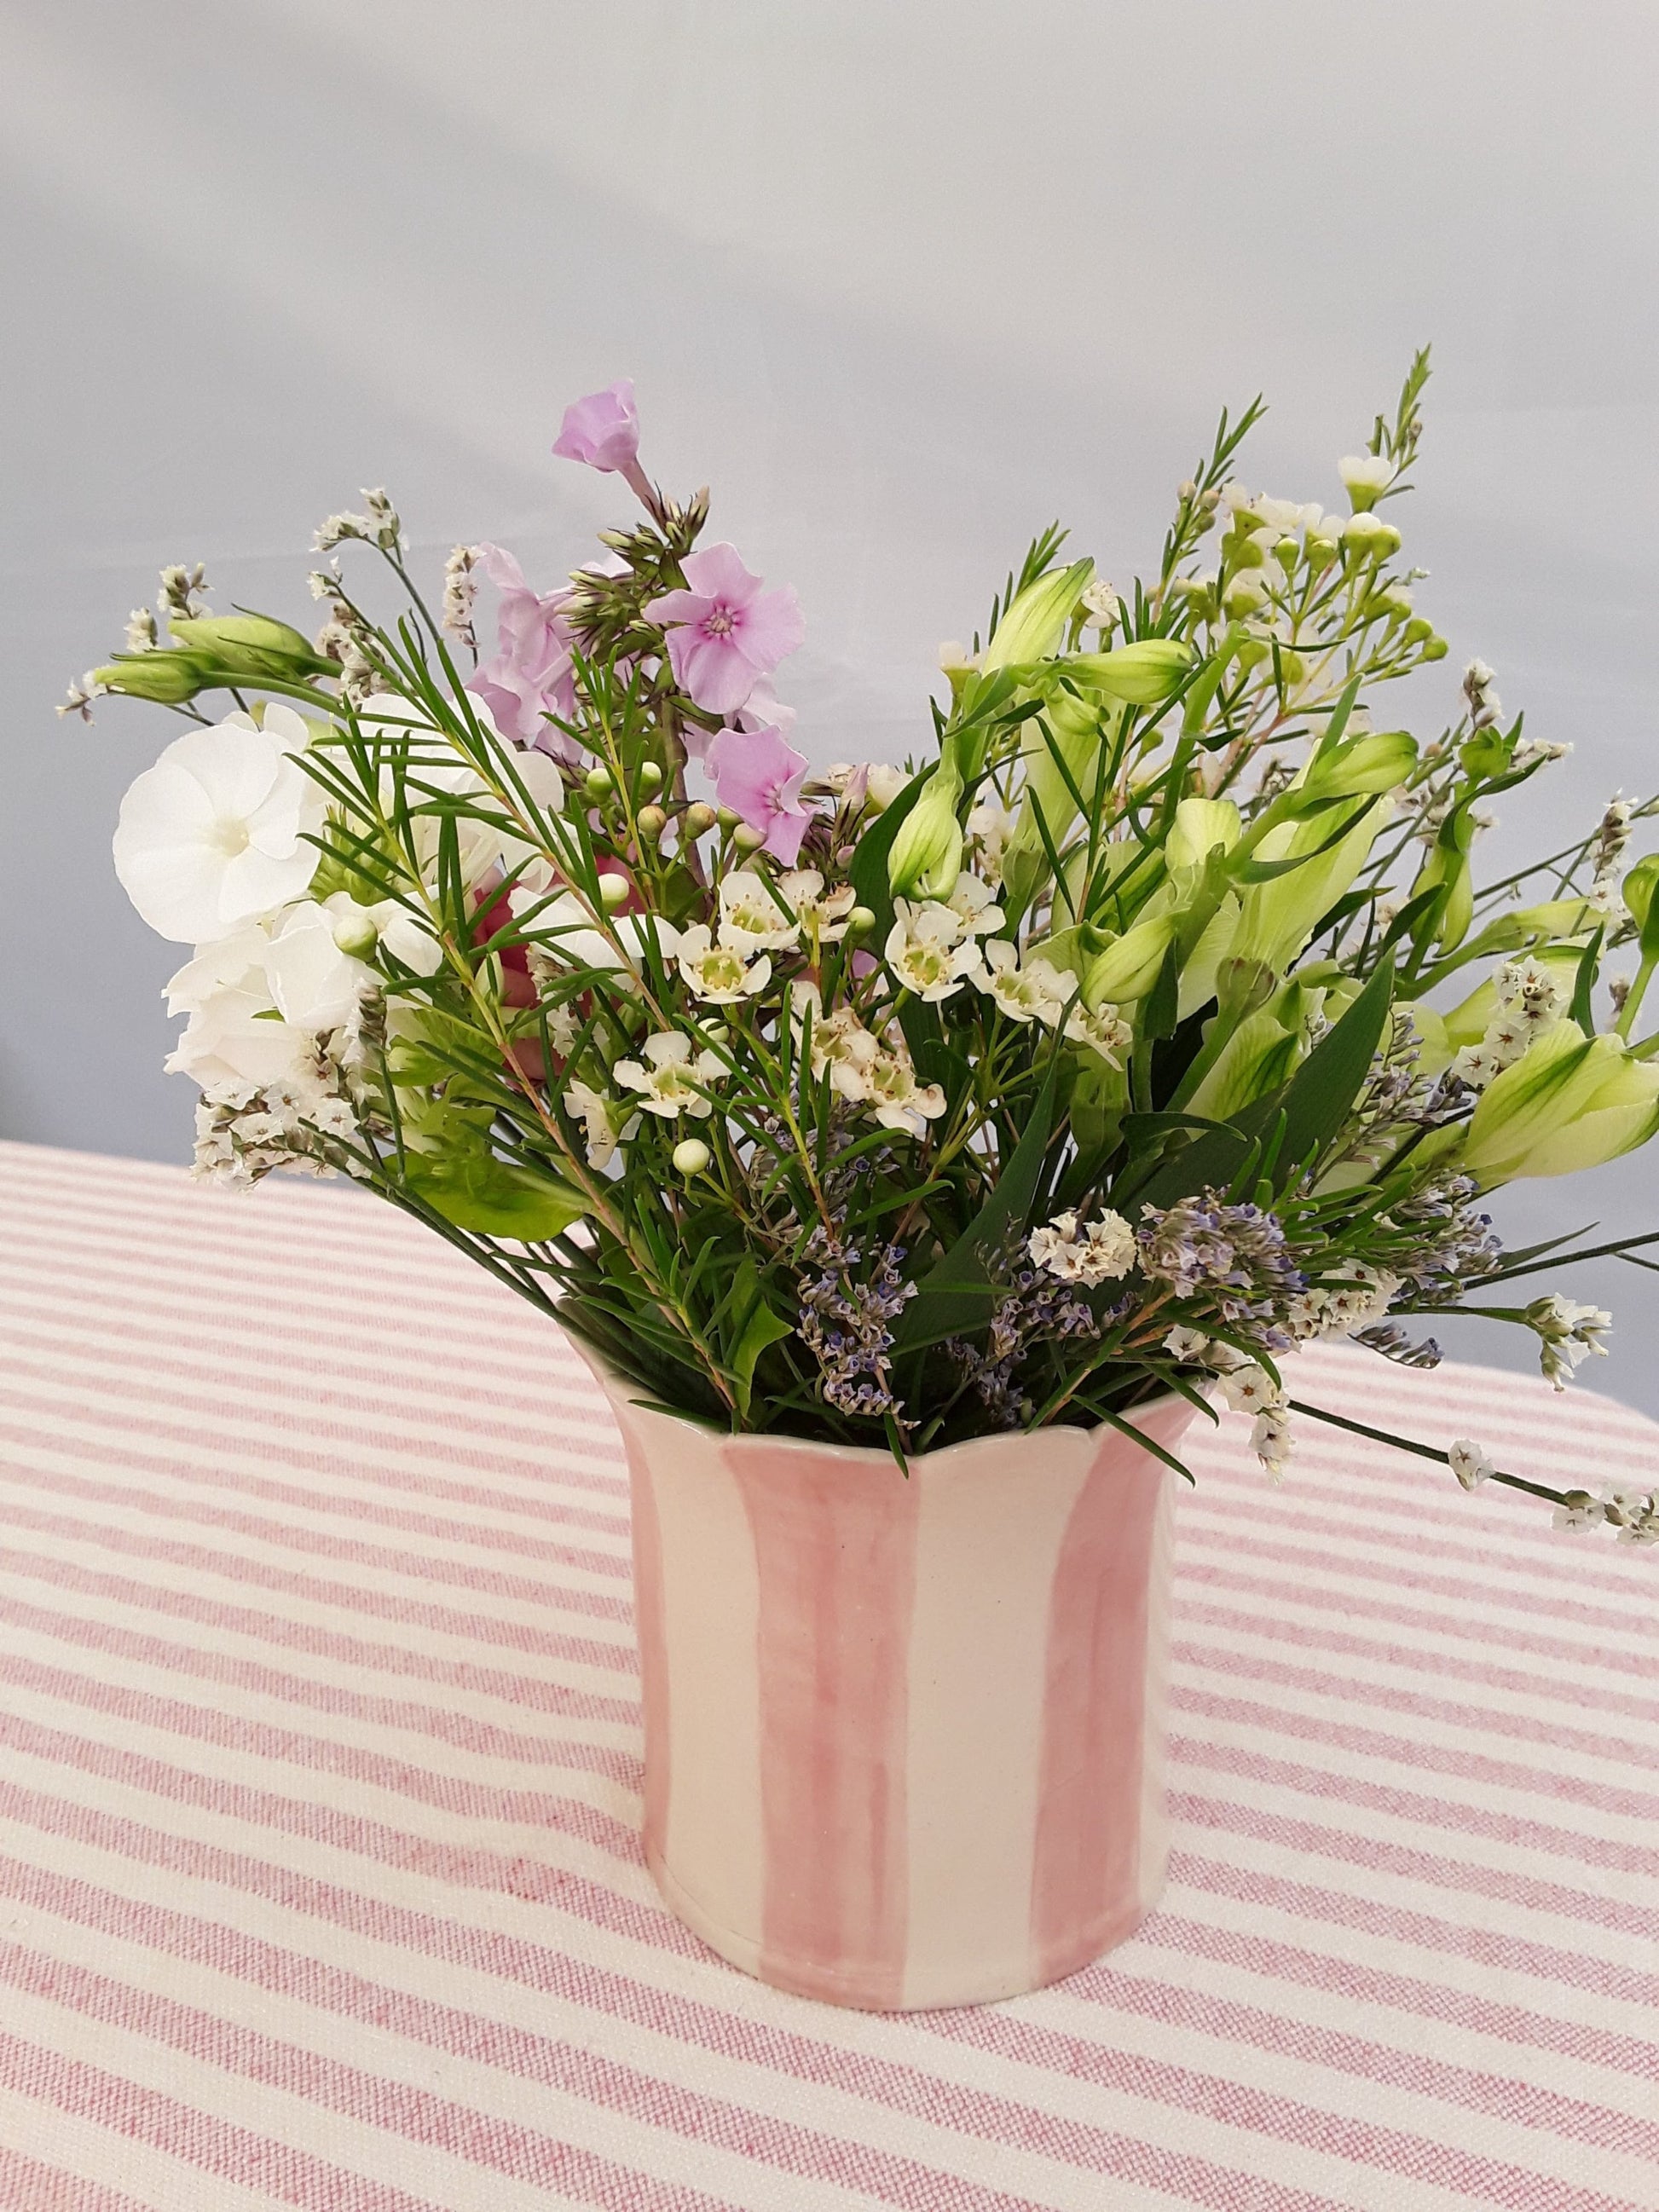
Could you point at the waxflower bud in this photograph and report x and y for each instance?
(652, 822)
(1368, 538)
(650, 776)
(597, 780)
(614, 892)
(691, 1156)
(861, 921)
(699, 818)
(354, 931)
(1245, 595)
(748, 838)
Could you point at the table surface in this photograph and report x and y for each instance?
(319, 1881)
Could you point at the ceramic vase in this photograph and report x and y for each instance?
(903, 1737)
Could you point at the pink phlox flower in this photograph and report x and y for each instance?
(602, 430)
(725, 633)
(531, 674)
(758, 774)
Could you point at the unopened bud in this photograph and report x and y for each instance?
(699, 818)
(861, 921)
(1368, 538)
(747, 838)
(597, 780)
(652, 822)
(650, 776)
(614, 891)
(691, 1156)
(354, 931)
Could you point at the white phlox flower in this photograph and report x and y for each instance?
(1094, 1252)
(673, 1076)
(214, 834)
(990, 825)
(566, 929)
(721, 974)
(1033, 989)
(926, 952)
(313, 984)
(751, 920)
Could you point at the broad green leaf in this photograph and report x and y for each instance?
(491, 1198)
(757, 1328)
(869, 870)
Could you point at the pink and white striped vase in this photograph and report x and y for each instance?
(903, 1738)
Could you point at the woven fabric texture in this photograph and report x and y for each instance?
(320, 1877)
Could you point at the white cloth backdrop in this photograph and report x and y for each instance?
(901, 282)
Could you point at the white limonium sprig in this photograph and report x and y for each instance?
(1115, 1043)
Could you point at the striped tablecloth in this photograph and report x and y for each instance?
(319, 1883)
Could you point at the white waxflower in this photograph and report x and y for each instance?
(406, 937)
(896, 1099)
(751, 920)
(1568, 1333)
(1469, 1463)
(924, 950)
(839, 1042)
(974, 906)
(214, 833)
(669, 1080)
(1104, 1031)
(1364, 475)
(822, 914)
(313, 984)
(722, 974)
(1097, 1252)
(990, 825)
(568, 931)
(1031, 990)
(860, 782)
(592, 1110)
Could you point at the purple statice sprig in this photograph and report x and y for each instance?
(1036, 1309)
(847, 1322)
(1230, 1261)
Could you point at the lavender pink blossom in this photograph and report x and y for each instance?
(531, 675)
(724, 632)
(602, 430)
(758, 774)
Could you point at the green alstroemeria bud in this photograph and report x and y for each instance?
(1256, 1058)
(256, 643)
(1129, 966)
(1035, 621)
(1570, 1101)
(1377, 763)
(925, 857)
(1639, 888)
(1277, 917)
(168, 678)
(1201, 825)
(1151, 670)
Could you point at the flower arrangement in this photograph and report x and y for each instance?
(1150, 1024)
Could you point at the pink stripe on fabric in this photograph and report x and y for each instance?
(195, 2138)
(27, 2185)
(277, 1630)
(1085, 1878)
(649, 1626)
(350, 1597)
(899, 2086)
(836, 1560)
(295, 1535)
(1373, 2148)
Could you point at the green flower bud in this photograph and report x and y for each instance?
(748, 839)
(597, 781)
(1199, 826)
(256, 644)
(1129, 966)
(1246, 553)
(1035, 621)
(1570, 1101)
(1436, 649)
(1151, 670)
(1638, 888)
(650, 776)
(652, 822)
(1278, 915)
(1366, 536)
(354, 931)
(1257, 1058)
(168, 678)
(691, 1156)
(1419, 630)
(1244, 595)
(614, 891)
(1377, 763)
(861, 921)
(699, 818)
(926, 858)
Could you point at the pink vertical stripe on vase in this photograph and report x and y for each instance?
(1095, 1800)
(835, 1555)
(648, 1628)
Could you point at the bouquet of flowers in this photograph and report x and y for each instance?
(1148, 1025)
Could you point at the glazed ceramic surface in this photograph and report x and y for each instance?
(903, 1738)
